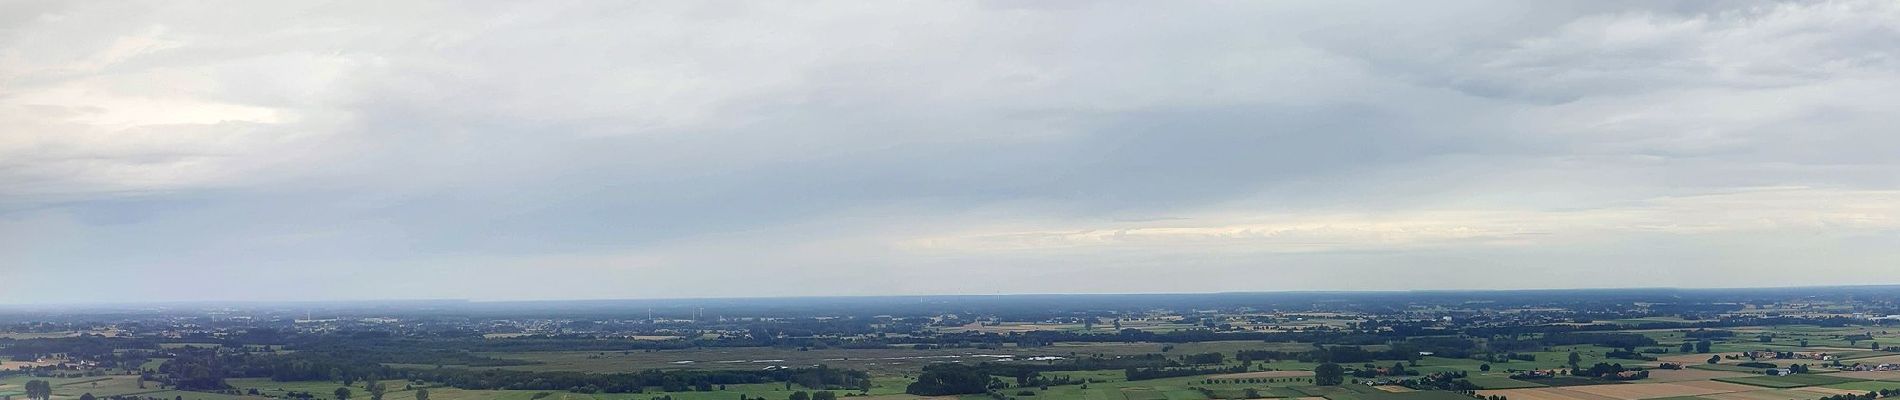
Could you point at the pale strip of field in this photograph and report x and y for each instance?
(1683, 375)
(1720, 387)
(1871, 375)
(1824, 391)
(1543, 394)
(1636, 391)
(1394, 388)
(1264, 374)
(1765, 395)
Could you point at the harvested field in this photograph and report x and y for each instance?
(1395, 388)
(1681, 375)
(1544, 394)
(1765, 395)
(1659, 390)
(1264, 374)
(1719, 386)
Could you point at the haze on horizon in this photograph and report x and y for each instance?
(169, 151)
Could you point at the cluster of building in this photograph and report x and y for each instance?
(1765, 354)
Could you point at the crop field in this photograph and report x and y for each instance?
(1680, 375)
(1865, 386)
(1659, 390)
(1501, 382)
(1771, 394)
(1790, 381)
(1871, 375)
(1633, 391)
(1726, 367)
(1264, 374)
(97, 385)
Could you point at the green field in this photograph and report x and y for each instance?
(113, 385)
(1869, 386)
(1725, 367)
(1501, 382)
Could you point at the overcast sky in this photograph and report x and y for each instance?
(271, 150)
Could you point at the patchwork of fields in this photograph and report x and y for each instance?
(894, 367)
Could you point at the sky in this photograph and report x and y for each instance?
(505, 150)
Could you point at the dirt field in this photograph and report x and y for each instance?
(1265, 374)
(1658, 390)
(1765, 395)
(1722, 387)
(1682, 375)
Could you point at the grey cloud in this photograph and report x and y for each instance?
(652, 142)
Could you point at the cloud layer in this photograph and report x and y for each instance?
(242, 150)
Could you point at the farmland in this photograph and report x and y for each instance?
(1350, 348)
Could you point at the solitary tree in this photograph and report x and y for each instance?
(87, 396)
(1329, 374)
(1702, 346)
(38, 389)
(1715, 359)
(801, 395)
(377, 390)
(1574, 359)
(1485, 367)
(422, 394)
(342, 393)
